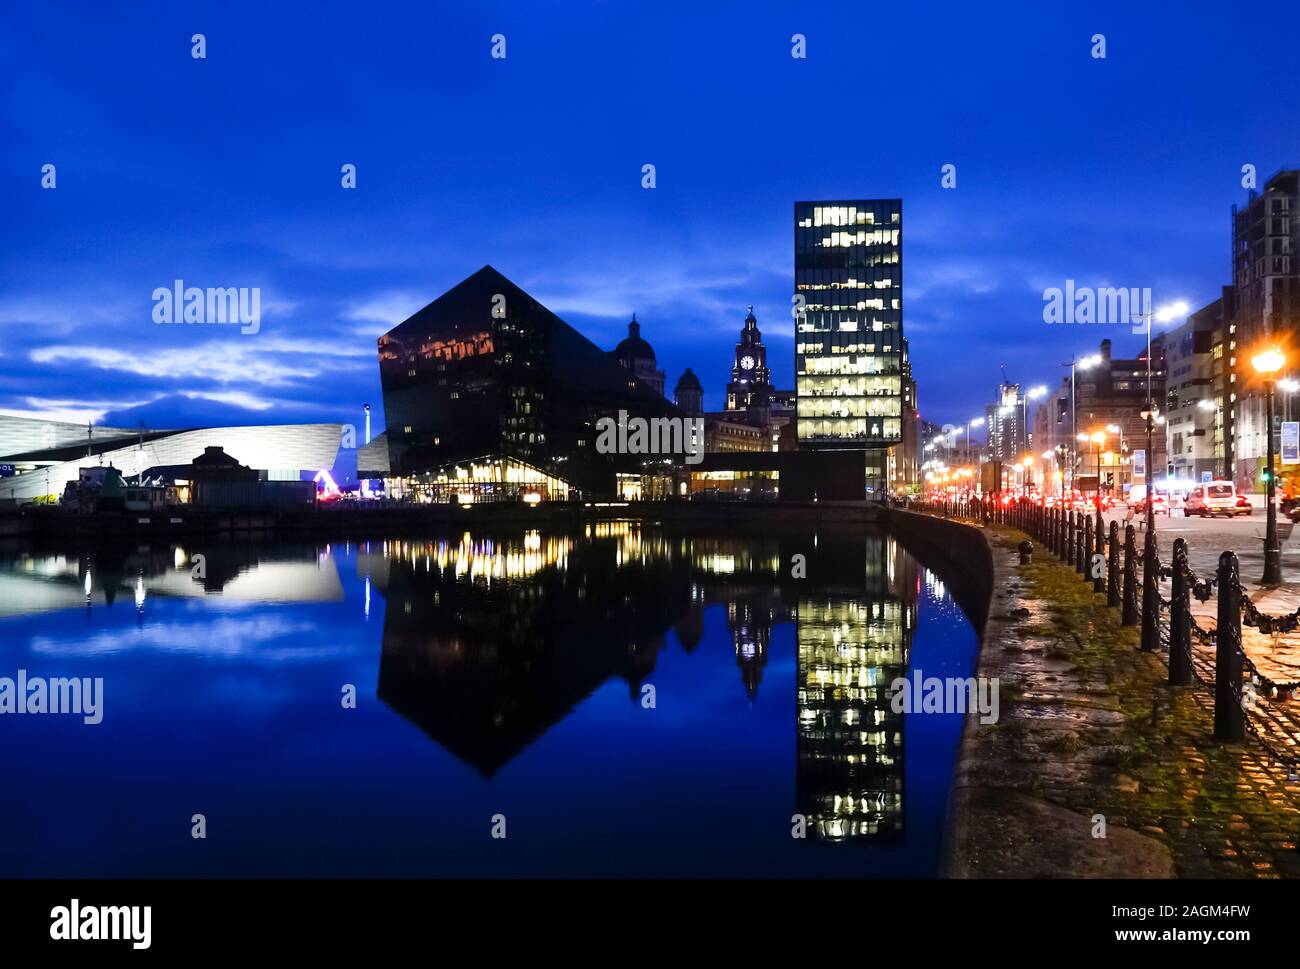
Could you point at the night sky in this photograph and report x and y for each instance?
(226, 172)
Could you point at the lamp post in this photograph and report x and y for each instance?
(1267, 363)
(1077, 364)
(1098, 439)
(1149, 414)
(973, 422)
(1164, 314)
(1118, 429)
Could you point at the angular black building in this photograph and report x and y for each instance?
(487, 384)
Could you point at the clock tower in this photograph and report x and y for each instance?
(750, 370)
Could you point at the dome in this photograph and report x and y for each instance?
(634, 348)
(689, 381)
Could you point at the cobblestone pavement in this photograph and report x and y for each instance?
(1090, 731)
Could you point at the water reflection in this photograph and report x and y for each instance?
(34, 583)
(526, 658)
(489, 642)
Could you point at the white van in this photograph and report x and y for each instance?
(1215, 498)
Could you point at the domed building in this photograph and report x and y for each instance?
(638, 356)
(688, 395)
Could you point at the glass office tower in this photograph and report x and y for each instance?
(849, 325)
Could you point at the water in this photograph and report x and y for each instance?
(630, 700)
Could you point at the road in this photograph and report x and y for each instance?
(1207, 538)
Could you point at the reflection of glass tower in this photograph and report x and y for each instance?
(850, 743)
(849, 340)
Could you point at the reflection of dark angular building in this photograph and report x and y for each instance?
(489, 643)
(485, 371)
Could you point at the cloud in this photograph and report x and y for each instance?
(70, 411)
(383, 311)
(239, 360)
(237, 398)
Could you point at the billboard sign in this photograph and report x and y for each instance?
(1291, 442)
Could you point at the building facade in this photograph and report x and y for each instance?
(278, 452)
(1265, 309)
(1008, 437)
(487, 385)
(1107, 399)
(749, 371)
(849, 329)
(636, 355)
(1193, 395)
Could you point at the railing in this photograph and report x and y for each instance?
(1111, 564)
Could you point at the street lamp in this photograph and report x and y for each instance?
(1149, 414)
(1098, 439)
(1163, 314)
(1267, 363)
(1118, 429)
(1031, 394)
(1076, 363)
(973, 422)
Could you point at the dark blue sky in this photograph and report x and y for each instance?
(225, 172)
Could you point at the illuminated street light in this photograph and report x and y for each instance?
(1098, 438)
(1171, 311)
(1078, 363)
(1267, 363)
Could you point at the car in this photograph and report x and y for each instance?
(1213, 498)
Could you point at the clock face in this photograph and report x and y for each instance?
(746, 363)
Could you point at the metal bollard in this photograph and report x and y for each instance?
(1080, 550)
(1087, 548)
(1129, 612)
(1180, 622)
(1229, 718)
(1112, 568)
(1099, 549)
(1150, 594)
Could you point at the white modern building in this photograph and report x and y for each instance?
(45, 455)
